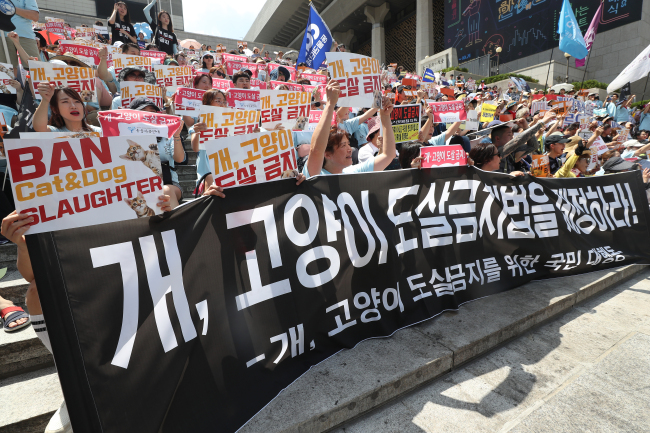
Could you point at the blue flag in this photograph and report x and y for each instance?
(428, 76)
(571, 40)
(317, 41)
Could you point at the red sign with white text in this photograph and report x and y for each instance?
(188, 101)
(315, 78)
(220, 83)
(443, 156)
(290, 86)
(450, 111)
(133, 122)
(244, 99)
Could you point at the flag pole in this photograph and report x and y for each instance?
(549, 69)
(646, 86)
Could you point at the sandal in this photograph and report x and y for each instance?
(11, 314)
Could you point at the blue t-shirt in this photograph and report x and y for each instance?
(64, 129)
(361, 133)
(350, 126)
(202, 166)
(644, 122)
(438, 140)
(23, 25)
(364, 167)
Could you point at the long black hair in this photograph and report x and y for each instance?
(127, 17)
(56, 119)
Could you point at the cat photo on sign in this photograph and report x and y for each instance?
(139, 206)
(149, 158)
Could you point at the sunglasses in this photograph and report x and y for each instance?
(221, 74)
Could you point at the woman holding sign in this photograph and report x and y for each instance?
(163, 30)
(68, 111)
(330, 151)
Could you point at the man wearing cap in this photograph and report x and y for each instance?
(554, 145)
(617, 164)
(21, 21)
(132, 73)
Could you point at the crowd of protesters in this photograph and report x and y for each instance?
(346, 139)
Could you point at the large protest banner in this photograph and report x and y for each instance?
(80, 79)
(276, 278)
(359, 79)
(66, 183)
(448, 111)
(406, 122)
(280, 108)
(250, 158)
(226, 122)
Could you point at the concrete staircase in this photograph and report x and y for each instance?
(350, 383)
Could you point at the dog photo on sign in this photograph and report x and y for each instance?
(377, 97)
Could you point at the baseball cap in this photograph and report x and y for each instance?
(617, 163)
(556, 138)
(141, 102)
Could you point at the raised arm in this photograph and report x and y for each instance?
(102, 70)
(367, 115)
(146, 10)
(424, 131)
(111, 19)
(383, 159)
(24, 57)
(322, 132)
(40, 118)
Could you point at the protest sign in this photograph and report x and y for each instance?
(160, 55)
(101, 30)
(251, 158)
(38, 26)
(599, 146)
(471, 124)
(233, 58)
(6, 75)
(87, 53)
(135, 122)
(443, 156)
(55, 25)
(134, 89)
(315, 79)
(405, 120)
(430, 87)
(287, 109)
(314, 118)
(540, 166)
(448, 111)
(121, 61)
(246, 99)
(80, 79)
(85, 33)
(281, 85)
(470, 85)
(487, 112)
(172, 77)
(226, 122)
(358, 77)
(51, 135)
(221, 84)
(541, 106)
(266, 286)
(623, 135)
(447, 91)
(188, 101)
(258, 84)
(232, 67)
(79, 182)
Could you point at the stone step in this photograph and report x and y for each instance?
(8, 252)
(31, 399)
(13, 286)
(21, 352)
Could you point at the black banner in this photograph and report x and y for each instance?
(194, 321)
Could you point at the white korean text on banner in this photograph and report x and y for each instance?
(281, 85)
(134, 89)
(80, 79)
(443, 156)
(245, 99)
(85, 33)
(226, 122)
(80, 182)
(159, 55)
(251, 158)
(55, 25)
(315, 79)
(314, 118)
(188, 101)
(288, 110)
(448, 111)
(136, 122)
(406, 122)
(359, 78)
(221, 84)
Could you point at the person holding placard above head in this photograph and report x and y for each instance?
(108, 74)
(132, 73)
(68, 111)
(163, 30)
(120, 23)
(215, 98)
(330, 151)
